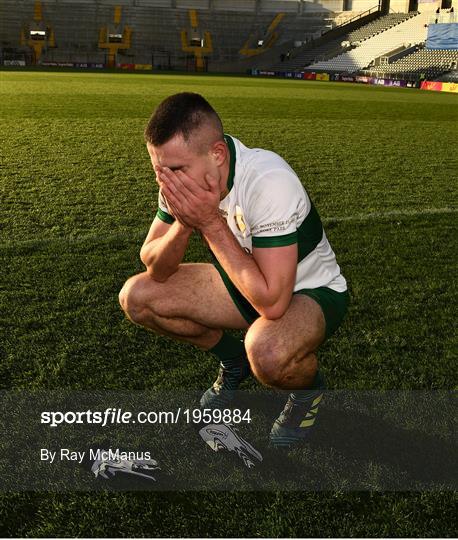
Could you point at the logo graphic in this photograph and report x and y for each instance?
(224, 437)
(240, 222)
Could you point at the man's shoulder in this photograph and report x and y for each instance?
(256, 155)
(256, 163)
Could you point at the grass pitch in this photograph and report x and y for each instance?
(78, 197)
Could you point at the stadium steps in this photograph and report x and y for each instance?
(379, 25)
(425, 62)
(451, 76)
(330, 44)
(410, 31)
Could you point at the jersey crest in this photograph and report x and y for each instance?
(239, 220)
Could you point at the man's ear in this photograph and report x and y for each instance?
(219, 152)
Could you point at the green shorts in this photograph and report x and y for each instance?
(333, 304)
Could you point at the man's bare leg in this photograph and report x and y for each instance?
(193, 305)
(282, 354)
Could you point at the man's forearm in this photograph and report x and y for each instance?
(163, 255)
(239, 265)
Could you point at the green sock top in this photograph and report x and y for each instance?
(228, 348)
(312, 391)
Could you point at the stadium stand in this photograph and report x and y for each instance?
(323, 45)
(379, 25)
(344, 43)
(451, 76)
(406, 33)
(424, 63)
(157, 26)
(239, 35)
(430, 60)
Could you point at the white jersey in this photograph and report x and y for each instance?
(267, 206)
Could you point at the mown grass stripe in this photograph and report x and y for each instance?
(130, 235)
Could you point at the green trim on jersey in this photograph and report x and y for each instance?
(309, 233)
(308, 236)
(163, 216)
(275, 241)
(232, 153)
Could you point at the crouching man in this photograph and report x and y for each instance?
(274, 273)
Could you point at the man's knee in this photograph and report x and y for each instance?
(267, 358)
(273, 364)
(132, 297)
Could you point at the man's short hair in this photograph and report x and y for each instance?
(183, 114)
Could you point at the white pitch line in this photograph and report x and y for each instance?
(391, 214)
(128, 235)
